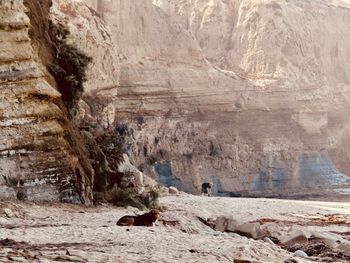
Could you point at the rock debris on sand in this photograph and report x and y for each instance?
(51, 233)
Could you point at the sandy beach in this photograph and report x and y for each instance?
(67, 233)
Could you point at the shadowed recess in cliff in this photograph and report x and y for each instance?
(312, 165)
(165, 175)
(69, 70)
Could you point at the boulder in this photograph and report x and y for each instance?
(250, 230)
(294, 237)
(300, 253)
(329, 239)
(271, 230)
(8, 212)
(173, 190)
(3, 221)
(268, 240)
(228, 224)
(221, 223)
(232, 225)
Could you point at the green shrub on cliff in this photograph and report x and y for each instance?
(69, 70)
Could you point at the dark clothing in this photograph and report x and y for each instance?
(206, 188)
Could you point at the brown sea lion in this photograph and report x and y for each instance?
(147, 219)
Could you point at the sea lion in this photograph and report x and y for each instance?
(147, 219)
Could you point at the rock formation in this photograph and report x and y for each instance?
(274, 43)
(249, 95)
(41, 156)
(89, 33)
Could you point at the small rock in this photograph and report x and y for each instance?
(294, 237)
(300, 253)
(250, 230)
(343, 247)
(291, 260)
(49, 218)
(3, 221)
(268, 240)
(275, 240)
(8, 212)
(232, 224)
(221, 223)
(22, 194)
(271, 229)
(173, 190)
(238, 260)
(329, 239)
(63, 258)
(17, 259)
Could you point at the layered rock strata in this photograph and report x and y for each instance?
(274, 43)
(194, 90)
(202, 96)
(41, 155)
(88, 32)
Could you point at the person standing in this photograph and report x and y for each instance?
(207, 188)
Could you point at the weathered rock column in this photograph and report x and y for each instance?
(39, 160)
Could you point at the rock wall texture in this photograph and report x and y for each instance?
(41, 156)
(251, 95)
(89, 33)
(248, 94)
(284, 43)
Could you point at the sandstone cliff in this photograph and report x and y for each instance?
(89, 33)
(274, 43)
(41, 155)
(251, 95)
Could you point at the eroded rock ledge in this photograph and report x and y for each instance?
(202, 96)
(41, 156)
(185, 114)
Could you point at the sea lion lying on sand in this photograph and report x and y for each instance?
(147, 219)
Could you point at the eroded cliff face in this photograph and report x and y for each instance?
(89, 33)
(41, 154)
(284, 43)
(250, 95)
(297, 49)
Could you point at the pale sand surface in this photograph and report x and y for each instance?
(91, 234)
